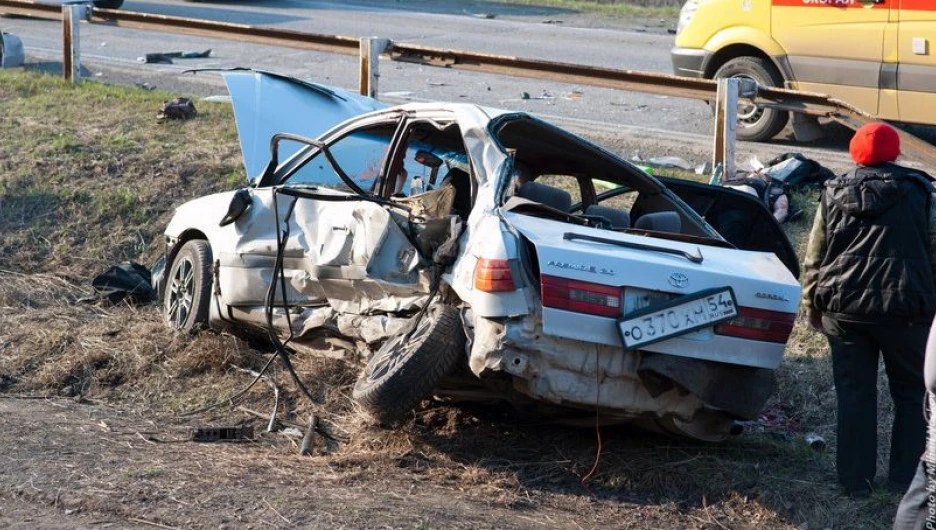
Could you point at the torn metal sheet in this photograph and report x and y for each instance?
(12, 53)
(564, 371)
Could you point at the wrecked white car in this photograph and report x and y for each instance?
(478, 252)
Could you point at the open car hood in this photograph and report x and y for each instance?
(266, 104)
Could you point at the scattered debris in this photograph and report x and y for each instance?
(574, 95)
(484, 15)
(308, 441)
(128, 281)
(222, 434)
(436, 83)
(177, 109)
(146, 86)
(167, 57)
(543, 95)
(671, 31)
(552, 22)
(815, 441)
(12, 53)
(671, 161)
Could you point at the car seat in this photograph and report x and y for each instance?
(618, 218)
(659, 222)
(461, 181)
(548, 195)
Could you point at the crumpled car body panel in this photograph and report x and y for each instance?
(358, 264)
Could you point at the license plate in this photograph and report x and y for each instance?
(677, 317)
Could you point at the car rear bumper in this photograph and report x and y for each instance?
(690, 62)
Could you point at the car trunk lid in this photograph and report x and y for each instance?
(608, 276)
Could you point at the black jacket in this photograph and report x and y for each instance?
(876, 267)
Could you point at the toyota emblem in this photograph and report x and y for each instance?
(678, 280)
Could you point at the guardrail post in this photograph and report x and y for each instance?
(371, 48)
(72, 14)
(726, 126)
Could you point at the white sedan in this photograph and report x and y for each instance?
(468, 251)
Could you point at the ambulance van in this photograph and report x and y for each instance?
(875, 54)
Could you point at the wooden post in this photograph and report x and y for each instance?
(371, 48)
(726, 126)
(72, 15)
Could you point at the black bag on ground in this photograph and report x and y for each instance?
(796, 171)
(128, 281)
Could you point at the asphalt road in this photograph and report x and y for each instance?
(523, 31)
(660, 125)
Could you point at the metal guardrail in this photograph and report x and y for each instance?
(370, 49)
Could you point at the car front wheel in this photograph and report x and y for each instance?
(188, 286)
(409, 366)
(755, 123)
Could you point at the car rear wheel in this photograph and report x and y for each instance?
(108, 4)
(754, 123)
(407, 367)
(188, 287)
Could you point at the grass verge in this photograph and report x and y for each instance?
(668, 9)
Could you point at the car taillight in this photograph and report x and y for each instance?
(494, 276)
(759, 324)
(581, 297)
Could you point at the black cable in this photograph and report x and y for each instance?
(230, 400)
(271, 295)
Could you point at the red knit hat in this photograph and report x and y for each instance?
(874, 143)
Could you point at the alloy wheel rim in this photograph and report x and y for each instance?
(181, 292)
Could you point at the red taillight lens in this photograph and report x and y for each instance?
(581, 297)
(494, 276)
(759, 324)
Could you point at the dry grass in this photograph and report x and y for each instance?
(89, 178)
(666, 9)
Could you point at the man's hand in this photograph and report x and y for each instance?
(815, 320)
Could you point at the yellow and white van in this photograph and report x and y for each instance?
(875, 54)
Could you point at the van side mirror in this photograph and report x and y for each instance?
(869, 3)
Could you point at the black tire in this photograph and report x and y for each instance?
(188, 287)
(756, 124)
(108, 4)
(406, 369)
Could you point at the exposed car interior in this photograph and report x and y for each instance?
(558, 176)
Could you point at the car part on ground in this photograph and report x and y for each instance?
(12, 53)
(408, 366)
(188, 289)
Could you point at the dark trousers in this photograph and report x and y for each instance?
(855, 350)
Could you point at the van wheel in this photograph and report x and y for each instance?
(754, 123)
(188, 287)
(409, 366)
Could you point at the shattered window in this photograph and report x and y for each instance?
(433, 156)
(359, 154)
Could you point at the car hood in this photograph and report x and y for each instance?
(266, 104)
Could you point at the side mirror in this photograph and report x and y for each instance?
(870, 3)
(240, 203)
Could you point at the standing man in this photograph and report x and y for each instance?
(870, 286)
